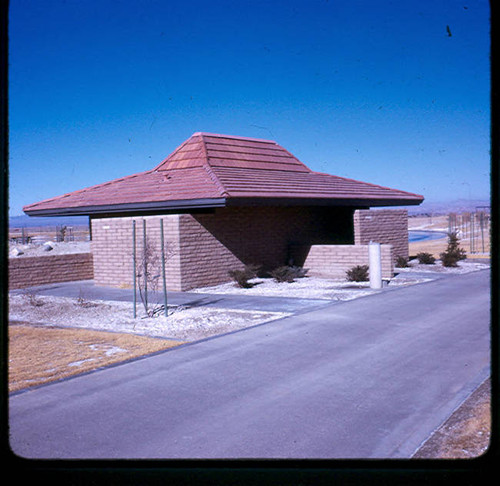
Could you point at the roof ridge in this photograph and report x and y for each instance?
(293, 156)
(208, 168)
(233, 137)
(172, 153)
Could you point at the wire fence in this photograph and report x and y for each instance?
(472, 228)
(40, 234)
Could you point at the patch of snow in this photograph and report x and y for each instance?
(110, 350)
(79, 363)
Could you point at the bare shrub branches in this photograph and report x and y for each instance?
(148, 273)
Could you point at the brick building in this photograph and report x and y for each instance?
(230, 201)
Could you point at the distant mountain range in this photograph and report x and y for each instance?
(458, 206)
(27, 221)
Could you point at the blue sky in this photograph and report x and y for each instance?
(372, 90)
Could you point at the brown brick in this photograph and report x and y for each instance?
(29, 271)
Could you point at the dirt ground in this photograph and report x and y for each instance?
(466, 434)
(435, 247)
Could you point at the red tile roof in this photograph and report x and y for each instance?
(210, 170)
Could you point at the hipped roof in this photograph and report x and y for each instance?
(210, 170)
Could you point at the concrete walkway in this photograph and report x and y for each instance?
(88, 290)
(368, 378)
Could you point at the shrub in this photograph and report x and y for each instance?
(288, 273)
(32, 298)
(82, 300)
(453, 253)
(401, 262)
(148, 272)
(61, 233)
(425, 258)
(242, 277)
(359, 273)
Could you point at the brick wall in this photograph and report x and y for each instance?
(233, 237)
(204, 259)
(202, 248)
(386, 226)
(332, 261)
(112, 247)
(30, 271)
(207, 246)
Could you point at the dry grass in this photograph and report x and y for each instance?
(39, 355)
(466, 434)
(435, 247)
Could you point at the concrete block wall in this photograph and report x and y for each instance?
(30, 271)
(385, 226)
(213, 244)
(233, 237)
(206, 246)
(332, 261)
(112, 247)
(202, 248)
(204, 259)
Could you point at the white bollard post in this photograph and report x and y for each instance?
(375, 265)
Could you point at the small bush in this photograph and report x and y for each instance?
(82, 301)
(401, 262)
(359, 273)
(32, 297)
(453, 253)
(242, 277)
(61, 233)
(426, 258)
(288, 273)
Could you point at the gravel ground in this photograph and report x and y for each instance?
(58, 248)
(186, 324)
(336, 289)
(464, 266)
(306, 288)
(182, 323)
(189, 324)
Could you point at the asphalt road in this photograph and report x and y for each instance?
(369, 378)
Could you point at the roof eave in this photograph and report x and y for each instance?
(146, 207)
(302, 201)
(206, 203)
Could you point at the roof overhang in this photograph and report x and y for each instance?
(146, 207)
(351, 202)
(200, 204)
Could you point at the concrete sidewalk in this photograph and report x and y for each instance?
(90, 291)
(369, 378)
